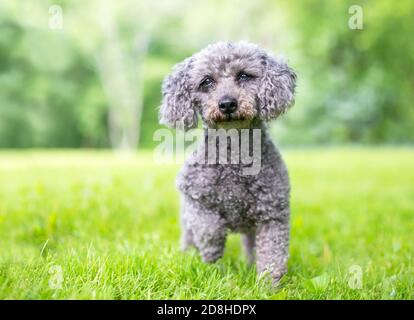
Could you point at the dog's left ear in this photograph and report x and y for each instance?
(276, 93)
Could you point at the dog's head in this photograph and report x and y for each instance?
(229, 85)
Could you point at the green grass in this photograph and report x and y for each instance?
(111, 225)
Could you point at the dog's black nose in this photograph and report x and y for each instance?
(227, 105)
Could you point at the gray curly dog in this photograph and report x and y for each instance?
(235, 87)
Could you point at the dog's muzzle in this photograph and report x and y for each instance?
(227, 105)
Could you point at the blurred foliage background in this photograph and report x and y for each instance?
(88, 73)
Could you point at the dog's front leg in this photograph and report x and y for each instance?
(186, 233)
(209, 234)
(272, 248)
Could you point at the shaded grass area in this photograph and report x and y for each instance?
(90, 224)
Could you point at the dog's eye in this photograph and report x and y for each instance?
(206, 83)
(243, 77)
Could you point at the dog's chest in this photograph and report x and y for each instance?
(222, 189)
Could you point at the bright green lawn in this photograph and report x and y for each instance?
(111, 225)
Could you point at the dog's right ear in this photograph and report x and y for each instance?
(177, 108)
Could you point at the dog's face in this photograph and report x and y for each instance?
(226, 86)
(229, 85)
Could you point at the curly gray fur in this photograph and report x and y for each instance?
(217, 198)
